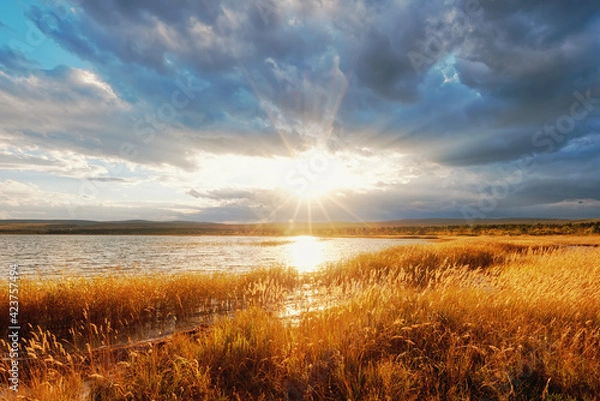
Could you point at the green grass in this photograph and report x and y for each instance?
(497, 319)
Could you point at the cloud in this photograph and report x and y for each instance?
(256, 84)
(106, 179)
(222, 194)
(438, 94)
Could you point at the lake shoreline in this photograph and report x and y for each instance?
(423, 227)
(59, 255)
(472, 318)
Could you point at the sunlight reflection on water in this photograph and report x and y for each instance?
(306, 253)
(85, 255)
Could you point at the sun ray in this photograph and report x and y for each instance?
(269, 114)
(350, 212)
(272, 214)
(328, 129)
(298, 205)
(337, 90)
(342, 93)
(281, 206)
(309, 215)
(257, 92)
(324, 210)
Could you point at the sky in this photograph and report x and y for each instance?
(290, 110)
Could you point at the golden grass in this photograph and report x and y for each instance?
(473, 319)
(120, 305)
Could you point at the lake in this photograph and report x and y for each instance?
(76, 255)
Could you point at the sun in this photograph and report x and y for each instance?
(314, 184)
(316, 174)
(317, 188)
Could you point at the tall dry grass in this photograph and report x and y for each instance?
(465, 320)
(114, 305)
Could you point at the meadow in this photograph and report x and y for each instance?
(482, 318)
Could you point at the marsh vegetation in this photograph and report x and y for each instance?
(474, 318)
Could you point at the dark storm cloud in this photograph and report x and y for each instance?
(506, 86)
(255, 75)
(527, 59)
(264, 65)
(471, 85)
(386, 72)
(556, 189)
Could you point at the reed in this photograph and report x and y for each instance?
(497, 319)
(76, 308)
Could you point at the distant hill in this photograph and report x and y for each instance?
(137, 227)
(381, 228)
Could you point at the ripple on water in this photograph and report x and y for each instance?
(53, 255)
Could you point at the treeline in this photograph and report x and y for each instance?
(403, 228)
(373, 229)
(571, 228)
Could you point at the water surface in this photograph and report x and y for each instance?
(76, 255)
